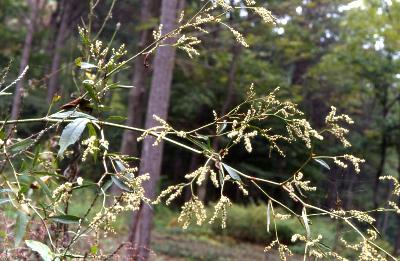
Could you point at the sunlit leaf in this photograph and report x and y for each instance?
(84, 65)
(268, 215)
(232, 172)
(222, 127)
(43, 250)
(323, 163)
(305, 222)
(71, 134)
(71, 114)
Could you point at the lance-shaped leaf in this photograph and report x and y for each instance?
(20, 227)
(84, 65)
(232, 172)
(44, 251)
(269, 205)
(89, 87)
(323, 163)
(66, 219)
(71, 134)
(121, 184)
(305, 222)
(71, 114)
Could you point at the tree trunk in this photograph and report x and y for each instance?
(62, 33)
(396, 250)
(136, 94)
(151, 156)
(383, 153)
(19, 90)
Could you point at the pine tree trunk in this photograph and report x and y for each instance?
(151, 156)
(396, 250)
(59, 44)
(136, 94)
(19, 90)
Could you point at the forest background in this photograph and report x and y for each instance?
(319, 52)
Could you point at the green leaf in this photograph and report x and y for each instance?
(92, 130)
(107, 185)
(44, 251)
(71, 134)
(323, 163)
(94, 249)
(116, 118)
(119, 183)
(71, 114)
(232, 172)
(89, 87)
(66, 219)
(20, 227)
(44, 187)
(5, 93)
(36, 157)
(2, 133)
(21, 145)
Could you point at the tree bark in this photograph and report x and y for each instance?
(19, 90)
(396, 250)
(62, 33)
(151, 156)
(136, 95)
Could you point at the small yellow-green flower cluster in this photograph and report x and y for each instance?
(127, 201)
(173, 192)
(192, 209)
(100, 54)
(332, 121)
(220, 209)
(395, 192)
(353, 160)
(396, 183)
(159, 131)
(62, 193)
(359, 215)
(187, 44)
(299, 183)
(367, 251)
(201, 174)
(282, 249)
(92, 146)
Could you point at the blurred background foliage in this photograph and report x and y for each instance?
(321, 53)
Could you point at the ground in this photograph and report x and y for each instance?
(182, 247)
